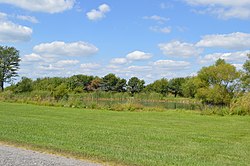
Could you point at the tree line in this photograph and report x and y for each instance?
(217, 84)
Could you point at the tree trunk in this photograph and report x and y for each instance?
(1, 86)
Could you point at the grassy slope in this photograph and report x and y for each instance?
(144, 138)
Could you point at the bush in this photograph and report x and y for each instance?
(6, 95)
(241, 105)
(215, 110)
(61, 92)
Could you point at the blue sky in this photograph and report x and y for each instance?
(150, 39)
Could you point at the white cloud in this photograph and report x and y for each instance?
(224, 9)
(99, 13)
(47, 6)
(157, 18)
(32, 58)
(28, 18)
(90, 66)
(235, 40)
(10, 32)
(119, 61)
(238, 66)
(172, 65)
(138, 55)
(231, 57)
(139, 68)
(66, 49)
(3, 16)
(177, 48)
(66, 63)
(104, 8)
(166, 5)
(165, 30)
(49, 67)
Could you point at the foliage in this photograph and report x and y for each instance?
(112, 83)
(246, 75)
(158, 86)
(216, 95)
(135, 85)
(95, 84)
(78, 82)
(48, 84)
(190, 87)
(241, 105)
(25, 85)
(61, 92)
(9, 64)
(175, 86)
(218, 83)
(109, 82)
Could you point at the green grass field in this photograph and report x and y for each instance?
(129, 138)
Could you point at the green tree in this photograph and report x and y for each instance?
(79, 82)
(135, 85)
(48, 84)
(175, 86)
(25, 85)
(109, 82)
(190, 86)
(9, 64)
(246, 75)
(218, 83)
(158, 86)
(121, 85)
(95, 84)
(61, 92)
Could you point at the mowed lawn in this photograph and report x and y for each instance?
(129, 138)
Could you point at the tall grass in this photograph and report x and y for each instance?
(104, 100)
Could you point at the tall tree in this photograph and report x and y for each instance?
(219, 83)
(9, 64)
(109, 82)
(158, 86)
(135, 85)
(246, 75)
(190, 87)
(175, 86)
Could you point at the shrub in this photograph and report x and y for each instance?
(241, 105)
(6, 95)
(61, 92)
(215, 110)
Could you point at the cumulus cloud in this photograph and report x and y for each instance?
(90, 66)
(3, 16)
(32, 58)
(66, 63)
(47, 6)
(138, 55)
(224, 9)
(49, 67)
(231, 57)
(172, 65)
(139, 68)
(177, 48)
(28, 18)
(119, 61)
(66, 49)
(10, 32)
(165, 30)
(235, 40)
(166, 5)
(99, 13)
(157, 18)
